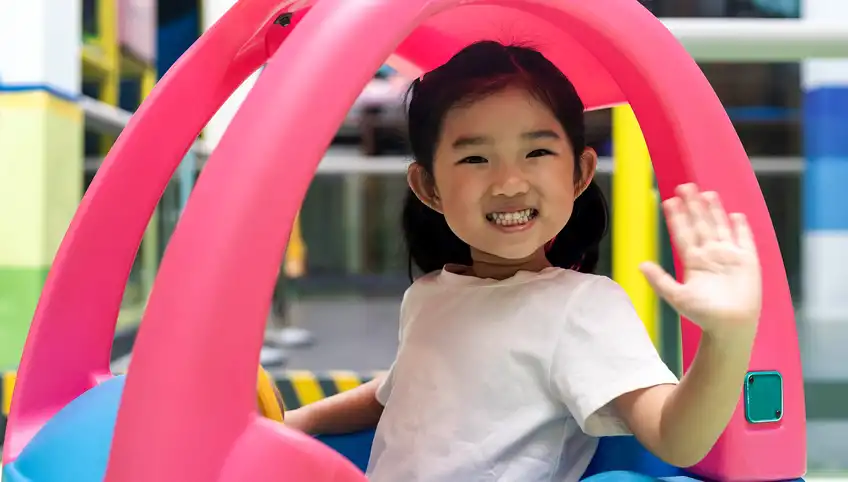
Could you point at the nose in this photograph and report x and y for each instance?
(509, 181)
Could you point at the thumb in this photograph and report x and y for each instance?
(663, 283)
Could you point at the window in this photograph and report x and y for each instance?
(724, 8)
(129, 94)
(89, 19)
(762, 100)
(764, 103)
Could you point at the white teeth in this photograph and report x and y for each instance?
(512, 218)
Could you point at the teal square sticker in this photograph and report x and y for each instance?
(763, 397)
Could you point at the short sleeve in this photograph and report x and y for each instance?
(603, 352)
(385, 387)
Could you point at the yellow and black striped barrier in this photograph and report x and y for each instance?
(298, 388)
(7, 384)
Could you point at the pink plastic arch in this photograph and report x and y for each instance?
(217, 274)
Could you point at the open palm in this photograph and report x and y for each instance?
(722, 284)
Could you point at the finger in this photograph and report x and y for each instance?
(663, 283)
(742, 232)
(719, 216)
(678, 224)
(698, 215)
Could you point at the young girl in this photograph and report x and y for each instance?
(513, 357)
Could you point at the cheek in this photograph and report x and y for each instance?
(558, 193)
(461, 207)
(459, 202)
(456, 193)
(562, 174)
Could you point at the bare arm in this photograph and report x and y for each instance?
(349, 411)
(680, 424)
(721, 293)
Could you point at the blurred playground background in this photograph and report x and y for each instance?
(73, 71)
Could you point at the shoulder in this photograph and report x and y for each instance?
(423, 287)
(419, 295)
(580, 287)
(590, 298)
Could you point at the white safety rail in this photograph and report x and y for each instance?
(395, 165)
(759, 40)
(105, 118)
(336, 163)
(108, 119)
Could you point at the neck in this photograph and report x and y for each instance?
(486, 265)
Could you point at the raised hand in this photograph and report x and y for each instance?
(722, 283)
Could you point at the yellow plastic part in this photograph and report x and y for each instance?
(270, 401)
(634, 216)
(295, 251)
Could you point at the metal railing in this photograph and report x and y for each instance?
(338, 161)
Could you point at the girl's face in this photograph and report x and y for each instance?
(504, 176)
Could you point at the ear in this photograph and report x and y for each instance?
(588, 166)
(424, 187)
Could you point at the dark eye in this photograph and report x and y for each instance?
(473, 160)
(540, 153)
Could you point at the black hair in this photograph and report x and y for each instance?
(479, 70)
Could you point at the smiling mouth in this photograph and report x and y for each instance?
(513, 218)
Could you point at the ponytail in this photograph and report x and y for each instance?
(430, 243)
(577, 246)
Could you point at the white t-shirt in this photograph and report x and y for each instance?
(509, 380)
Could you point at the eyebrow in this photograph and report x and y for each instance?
(468, 141)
